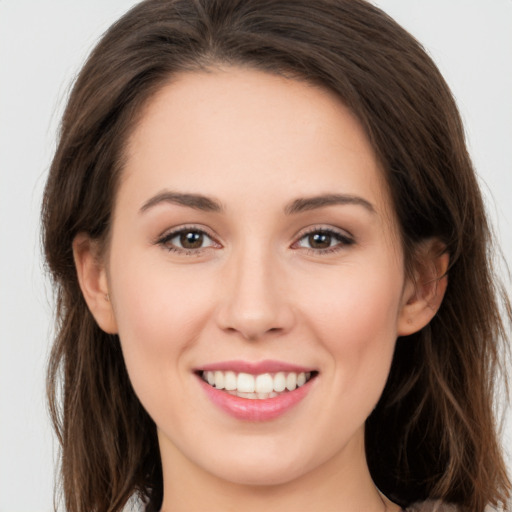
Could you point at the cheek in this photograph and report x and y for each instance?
(358, 306)
(159, 316)
(153, 301)
(357, 323)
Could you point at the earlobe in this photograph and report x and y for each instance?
(423, 295)
(92, 277)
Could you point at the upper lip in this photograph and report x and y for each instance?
(254, 368)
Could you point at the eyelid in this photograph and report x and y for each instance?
(164, 238)
(343, 236)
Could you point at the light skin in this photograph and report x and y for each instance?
(296, 258)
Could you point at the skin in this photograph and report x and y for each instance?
(257, 288)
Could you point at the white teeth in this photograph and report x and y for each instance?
(250, 396)
(230, 381)
(291, 381)
(253, 396)
(260, 386)
(219, 380)
(245, 383)
(264, 383)
(279, 382)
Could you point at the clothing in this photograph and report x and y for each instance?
(431, 506)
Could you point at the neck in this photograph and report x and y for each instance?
(330, 486)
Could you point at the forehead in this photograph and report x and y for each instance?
(247, 131)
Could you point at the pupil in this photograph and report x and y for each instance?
(320, 240)
(191, 240)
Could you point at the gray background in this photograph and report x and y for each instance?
(42, 45)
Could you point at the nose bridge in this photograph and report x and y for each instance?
(255, 301)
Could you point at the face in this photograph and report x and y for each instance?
(254, 245)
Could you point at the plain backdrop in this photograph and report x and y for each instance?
(42, 45)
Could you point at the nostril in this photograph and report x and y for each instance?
(253, 309)
(253, 332)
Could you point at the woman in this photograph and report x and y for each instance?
(272, 263)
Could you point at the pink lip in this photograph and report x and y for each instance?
(266, 366)
(257, 410)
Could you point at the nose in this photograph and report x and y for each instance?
(255, 298)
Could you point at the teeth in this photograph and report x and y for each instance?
(291, 381)
(260, 386)
(264, 383)
(219, 380)
(245, 383)
(280, 382)
(250, 396)
(230, 381)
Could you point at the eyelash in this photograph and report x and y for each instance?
(165, 241)
(342, 239)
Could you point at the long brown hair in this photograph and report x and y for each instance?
(433, 433)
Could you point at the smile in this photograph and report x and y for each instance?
(256, 387)
(255, 392)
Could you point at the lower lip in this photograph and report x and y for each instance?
(258, 409)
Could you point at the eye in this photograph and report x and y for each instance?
(323, 240)
(187, 240)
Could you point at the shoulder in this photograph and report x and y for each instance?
(439, 506)
(431, 506)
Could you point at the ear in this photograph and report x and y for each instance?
(92, 277)
(424, 292)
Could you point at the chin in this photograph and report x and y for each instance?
(272, 463)
(263, 474)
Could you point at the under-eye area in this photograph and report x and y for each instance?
(261, 386)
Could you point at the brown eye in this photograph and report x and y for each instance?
(319, 240)
(191, 240)
(187, 240)
(324, 240)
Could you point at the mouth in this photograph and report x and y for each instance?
(256, 391)
(260, 386)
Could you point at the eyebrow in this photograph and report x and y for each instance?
(195, 201)
(207, 204)
(321, 201)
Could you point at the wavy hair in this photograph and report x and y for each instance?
(433, 433)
